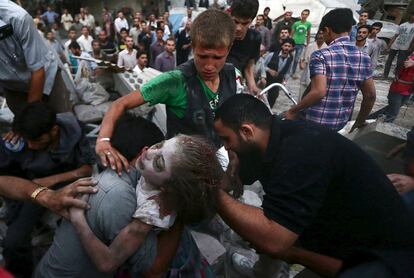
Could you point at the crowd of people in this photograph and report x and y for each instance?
(327, 206)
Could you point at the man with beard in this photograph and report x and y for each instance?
(286, 22)
(361, 40)
(246, 47)
(284, 34)
(363, 17)
(324, 197)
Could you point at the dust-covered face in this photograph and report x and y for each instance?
(156, 162)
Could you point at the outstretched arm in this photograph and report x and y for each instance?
(109, 258)
(106, 153)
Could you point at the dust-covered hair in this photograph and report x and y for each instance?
(195, 175)
(212, 29)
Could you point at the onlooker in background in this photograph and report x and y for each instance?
(128, 57)
(106, 14)
(284, 34)
(319, 43)
(152, 21)
(56, 45)
(278, 67)
(183, 43)
(372, 6)
(187, 17)
(264, 32)
(50, 16)
(106, 44)
(122, 39)
(66, 20)
(90, 19)
(337, 73)
(83, 19)
(399, 93)
(361, 39)
(120, 22)
(157, 47)
(167, 20)
(166, 60)
(55, 31)
(76, 51)
(260, 70)
(109, 27)
(135, 30)
(286, 22)
(85, 41)
(77, 25)
(97, 52)
(377, 44)
(145, 38)
(167, 32)
(301, 35)
(363, 17)
(246, 46)
(267, 20)
(142, 61)
(401, 44)
(71, 37)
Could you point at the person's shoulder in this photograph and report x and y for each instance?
(253, 35)
(10, 10)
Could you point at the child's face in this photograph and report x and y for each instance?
(155, 163)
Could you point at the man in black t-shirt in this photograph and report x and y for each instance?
(246, 46)
(327, 204)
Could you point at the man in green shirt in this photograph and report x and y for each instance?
(301, 35)
(191, 93)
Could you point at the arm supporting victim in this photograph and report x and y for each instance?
(269, 237)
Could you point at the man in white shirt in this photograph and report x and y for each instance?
(401, 44)
(85, 41)
(142, 62)
(90, 19)
(66, 20)
(128, 57)
(135, 30)
(189, 16)
(120, 22)
(71, 38)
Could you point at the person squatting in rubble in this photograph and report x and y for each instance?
(181, 176)
(106, 240)
(191, 93)
(52, 152)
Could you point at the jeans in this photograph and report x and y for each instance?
(395, 101)
(298, 53)
(402, 56)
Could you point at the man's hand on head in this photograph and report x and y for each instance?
(110, 156)
(61, 200)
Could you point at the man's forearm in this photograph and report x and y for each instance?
(320, 264)
(316, 93)
(70, 176)
(251, 224)
(16, 188)
(37, 83)
(368, 100)
(249, 74)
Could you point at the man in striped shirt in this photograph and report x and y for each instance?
(337, 72)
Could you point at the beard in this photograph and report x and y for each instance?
(250, 158)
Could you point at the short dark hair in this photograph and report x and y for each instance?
(74, 45)
(339, 20)
(306, 10)
(159, 30)
(377, 24)
(242, 108)
(266, 9)
(72, 29)
(34, 120)
(123, 29)
(131, 134)
(288, 40)
(140, 53)
(366, 27)
(364, 12)
(204, 31)
(244, 8)
(284, 28)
